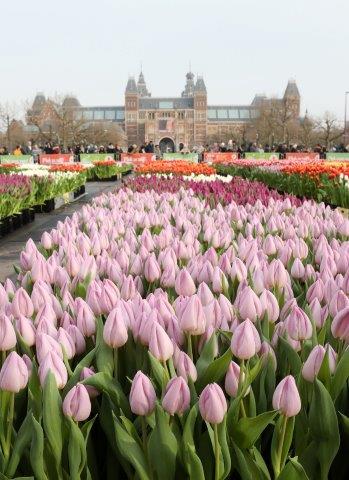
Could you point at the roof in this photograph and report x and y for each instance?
(71, 102)
(233, 113)
(200, 85)
(292, 89)
(131, 86)
(159, 103)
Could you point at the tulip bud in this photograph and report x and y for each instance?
(78, 338)
(249, 305)
(160, 345)
(286, 397)
(298, 325)
(340, 325)
(26, 330)
(7, 334)
(46, 241)
(13, 374)
(152, 270)
(77, 403)
(115, 331)
(84, 318)
(185, 366)
(232, 379)
(54, 364)
(192, 318)
(314, 361)
(297, 269)
(213, 404)
(177, 396)
(142, 395)
(22, 304)
(184, 284)
(270, 306)
(246, 341)
(66, 342)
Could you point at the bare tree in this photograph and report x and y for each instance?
(328, 129)
(9, 112)
(307, 131)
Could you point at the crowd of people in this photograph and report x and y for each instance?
(32, 148)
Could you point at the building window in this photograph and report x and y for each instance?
(222, 113)
(212, 113)
(88, 114)
(98, 115)
(200, 116)
(131, 117)
(151, 115)
(244, 113)
(120, 115)
(165, 104)
(141, 115)
(181, 115)
(234, 113)
(110, 114)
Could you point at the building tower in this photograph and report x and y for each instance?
(292, 98)
(189, 85)
(200, 112)
(142, 86)
(131, 111)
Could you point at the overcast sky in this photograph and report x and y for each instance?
(242, 47)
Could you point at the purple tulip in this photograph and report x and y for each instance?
(13, 374)
(77, 403)
(177, 396)
(142, 395)
(213, 404)
(286, 397)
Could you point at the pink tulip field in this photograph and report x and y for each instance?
(179, 329)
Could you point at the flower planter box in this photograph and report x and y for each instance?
(5, 226)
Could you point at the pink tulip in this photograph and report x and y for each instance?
(246, 341)
(270, 306)
(152, 270)
(316, 290)
(160, 345)
(77, 403)
(297, 269)
(177, 396)
(219, 281)
(185, 366)
(249, 305)
(286, 397)
(7, 334)
(232, 380)
(266, 352)
(238, 270)
(93, 297)
(46, 344)
(338, 302)
(78, 338)
(110, 295)
(205, 295)
(184, 284)
(115, 331)
(46, 241)
(213, 404)
(66, 342)
(13, 374)
(340, 325)
(54, 364)
(314, 361)
(85, 319)
(298, 325)
(277, 274)
(26, 329)
(192, 318)
(142, 395)
(22, 304)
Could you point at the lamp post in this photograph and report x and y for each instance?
(345, 118)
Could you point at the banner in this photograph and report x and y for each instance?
(220, 157)
(95, 157)
(137, 157)
(190, 157)
(300, 156)
(263, 156)
(56, 158)
(337, 156)
(166, 125)
(22, 159)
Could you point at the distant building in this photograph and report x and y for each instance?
(169, 121)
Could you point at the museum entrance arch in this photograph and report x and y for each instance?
(167, 145)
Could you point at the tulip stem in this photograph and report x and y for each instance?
(9, 422)
(278, 466)
(116, 363)
(242, 406)
(217, 451)
(190, 347)
(145, 443)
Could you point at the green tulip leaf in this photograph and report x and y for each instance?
(290, 355)
(247, 466)
(159, 373)
(104, 354)
(162, 446)
(215, 371)
(190, 459)
(53, 417)
(131, 451)
(206, 356)
(248, 429)
(293, 470)
(75, 378)
(76, 450)
(341, 375)
(37, 450)
(22, 441)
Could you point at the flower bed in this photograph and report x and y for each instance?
(215, 189)
(15, 194)
(176, 167)
(320, 181)
(188, 341)
(108, 169)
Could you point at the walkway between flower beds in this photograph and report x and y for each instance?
(11, 246)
